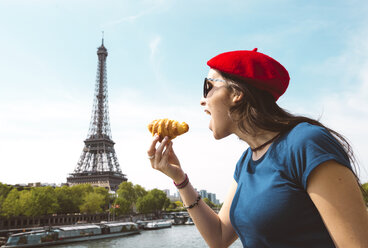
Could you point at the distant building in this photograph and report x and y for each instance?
(203, 193)
(167, 192)
(172, 198)
(211, 196)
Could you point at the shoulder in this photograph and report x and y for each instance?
(307, 146)
(305, 131)
(308, 135)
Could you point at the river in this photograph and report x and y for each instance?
(186, 236)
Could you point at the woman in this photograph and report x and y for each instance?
(293, 187)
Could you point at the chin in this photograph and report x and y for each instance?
(218, 136)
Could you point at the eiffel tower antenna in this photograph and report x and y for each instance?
(98, 164)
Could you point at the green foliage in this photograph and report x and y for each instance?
(179, 204)
(139, 191)
(154, 201)
(34, 202)
(39, 201)
(92, 203)
(175, 206)
(71, 198)
(146, 204)
(172, 205)
(127, 192)
(4, 191)
(11, 206)
(68, 203)
(25, 202)
(120, 206)
(209, 203)
(106, 196)
(47, 200)
(84, 198)
(78, 192)
(127, 196)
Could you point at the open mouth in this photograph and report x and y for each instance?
(207, 112)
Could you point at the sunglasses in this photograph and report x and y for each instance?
(207, 86)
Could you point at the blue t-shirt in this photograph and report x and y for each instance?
(271, 207)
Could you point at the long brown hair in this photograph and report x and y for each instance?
(257, 109)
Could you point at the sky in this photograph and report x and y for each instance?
(158, 51)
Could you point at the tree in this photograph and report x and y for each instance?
(25, 202)
(40, 201)
(209, 202)
(127, 192)
(172, 205)
(154, 201)
(145, 204)
(106, 196)
(64, 196)
(11, 206)
(92, 203)
(78, 192)
(120, 206)
(175, 205)
(179, 204)
(139, 191)
(4, 191)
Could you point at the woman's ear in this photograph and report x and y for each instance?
(237, 97)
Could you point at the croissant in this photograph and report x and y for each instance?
(166, 127)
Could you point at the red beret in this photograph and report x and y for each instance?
(262, 71)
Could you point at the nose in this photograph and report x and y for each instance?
(202, 102)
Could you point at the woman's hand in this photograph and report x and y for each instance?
(164, 159)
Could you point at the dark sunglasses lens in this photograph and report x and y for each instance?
(207, 86)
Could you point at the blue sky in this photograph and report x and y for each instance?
(155, 68)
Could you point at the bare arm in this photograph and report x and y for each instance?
(335, 192)
(216, 229)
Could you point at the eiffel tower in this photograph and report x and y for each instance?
(98, 164)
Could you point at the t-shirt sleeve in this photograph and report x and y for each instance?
(311, 147)
(239, 166)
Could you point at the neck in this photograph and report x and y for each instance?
(260, 142)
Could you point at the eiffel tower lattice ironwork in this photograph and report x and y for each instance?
(98, 164)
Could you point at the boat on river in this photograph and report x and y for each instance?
(189, 222)
(70, 234)
(158, 225)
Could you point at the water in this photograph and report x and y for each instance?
(174, 237)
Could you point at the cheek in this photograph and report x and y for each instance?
(221, 118)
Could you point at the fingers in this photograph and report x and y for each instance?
(161, 147)
(168, 149)
(152, 149)
(156, 154)
(159, 157)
